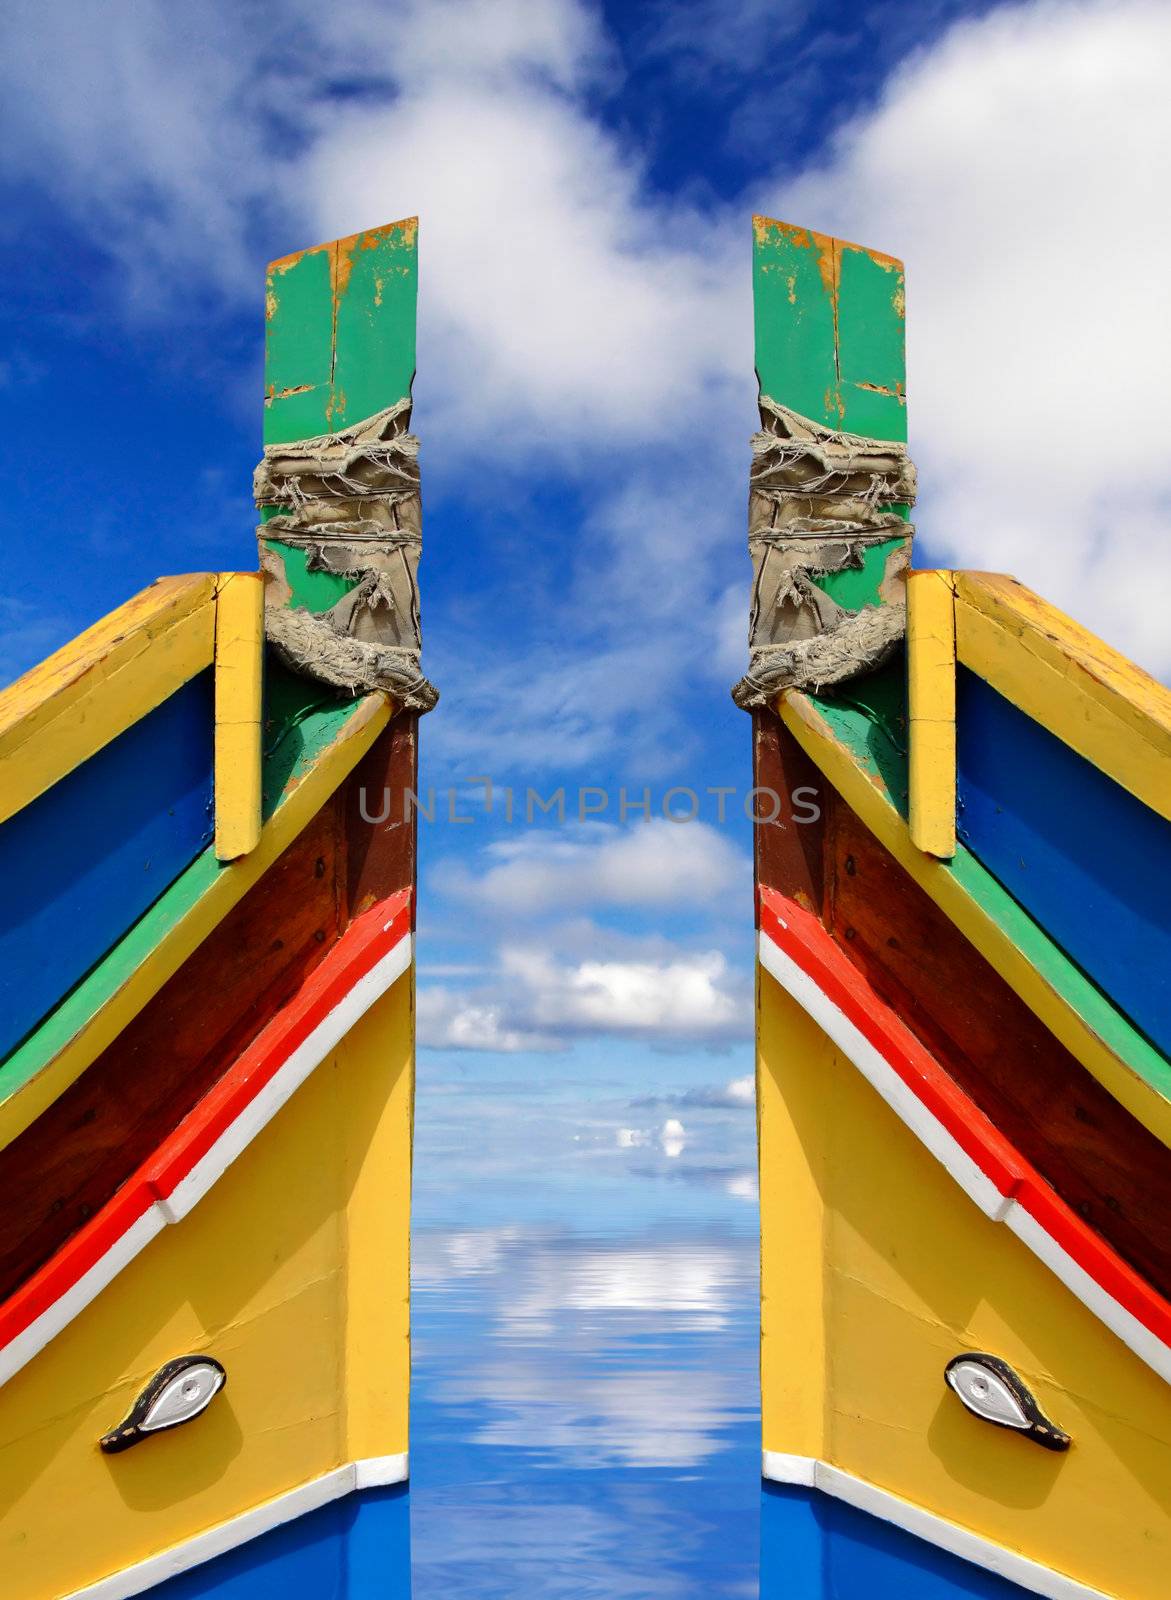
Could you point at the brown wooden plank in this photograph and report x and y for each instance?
(1097, 1157)
(788, 852)
(382, 853)
(70, 1161)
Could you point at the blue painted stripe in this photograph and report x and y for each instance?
(81, 864)
(357, 1548)
(1087, 860)
(813, 1547)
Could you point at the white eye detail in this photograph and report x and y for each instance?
(177, 1393)
(992, 1390)
(184, 1397)
(987, 1394)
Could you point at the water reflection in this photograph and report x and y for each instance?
(585, 1413)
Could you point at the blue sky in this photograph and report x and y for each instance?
(584, 177)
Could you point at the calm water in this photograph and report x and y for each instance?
(585, 1415)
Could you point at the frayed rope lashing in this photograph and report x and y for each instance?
(350, 500)
(818, 498)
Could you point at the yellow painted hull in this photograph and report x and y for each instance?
(293, 1271)
(877, 1269)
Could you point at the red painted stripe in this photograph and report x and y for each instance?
(364, 943)
(802, 937)
(369, 937)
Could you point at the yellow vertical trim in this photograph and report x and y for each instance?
(69, 707)
(239, 659)
(931, 691)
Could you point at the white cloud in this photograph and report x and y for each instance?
(743, 1186)
(695, 1285)
(449, 1020)
(673, 1138)
(736, 1095)
(692, 998)
(560, 300)
(1015, 166)
(650, 1417)
(542, 995)
(547, 272)
(556, 42)
(441, 1258)
(574, 1322)
(650, 864)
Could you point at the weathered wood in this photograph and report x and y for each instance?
(339, 347)
(382, 853)
(789, 849)
(830, 323)
(829, 344)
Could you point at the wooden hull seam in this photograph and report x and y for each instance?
(805, 962)
(373, 1472)
(807, 1472)
(372, 956)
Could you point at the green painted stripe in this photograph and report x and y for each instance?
(307, 726)
(869, 724)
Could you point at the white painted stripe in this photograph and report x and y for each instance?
(231, 1143)
(377, 1471)
(368, 1474)
(807, 1472)
(976, 1185)
(879, 1073)
(1137, 1337)
(285, 1082)
(17, 1352)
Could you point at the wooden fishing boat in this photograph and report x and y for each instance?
(964, 1018)
(207, 1077)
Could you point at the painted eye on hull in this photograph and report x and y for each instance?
(177, 1393)
(991, 1390)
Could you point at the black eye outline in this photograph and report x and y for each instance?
(130, 1430)
(1039, 1428)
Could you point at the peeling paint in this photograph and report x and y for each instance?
(896, 393)
(341, 265)
(827, 266)
(286, 263)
